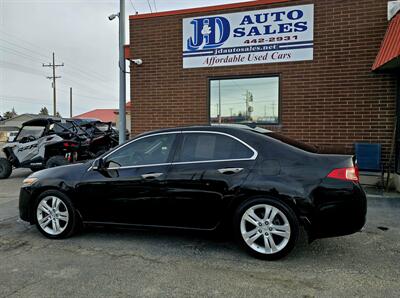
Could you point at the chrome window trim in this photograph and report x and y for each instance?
(253, 157)
(139, 166)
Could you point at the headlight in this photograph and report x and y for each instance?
(29, 181)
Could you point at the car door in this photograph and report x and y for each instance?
(206, 174)
(131, 187)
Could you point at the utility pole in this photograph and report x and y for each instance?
(247, 104)
(273, 109)
(54, 77)
(70, 102)
(122, 76)
(248, 99)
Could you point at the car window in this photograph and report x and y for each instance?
(30, 131)
(145, 151)
(209, 146)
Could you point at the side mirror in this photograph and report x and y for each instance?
(99, 165)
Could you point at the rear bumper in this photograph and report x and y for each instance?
(339, 211)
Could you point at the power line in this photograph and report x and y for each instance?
(17, 45)
(21, 68)
(28, 70)
(76, 72)
(155, 6)
(70, 63)
(31, 52)
(18, 53)
(134, 8)
(31, 100)
(148, 2)
(33, 71)
(87, 96)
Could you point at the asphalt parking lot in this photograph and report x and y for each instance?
(109, 262)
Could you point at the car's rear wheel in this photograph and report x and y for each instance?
(55, 216)
(266, 228)
(5, 168)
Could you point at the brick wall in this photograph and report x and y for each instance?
(332, 101)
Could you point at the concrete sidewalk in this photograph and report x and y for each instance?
(376, 193)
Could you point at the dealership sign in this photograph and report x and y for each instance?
(261, 36)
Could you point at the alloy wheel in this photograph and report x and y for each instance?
(52, 215)
(265, 229)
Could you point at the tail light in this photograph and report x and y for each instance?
(347, 174)
(68, 157)
(69, 144)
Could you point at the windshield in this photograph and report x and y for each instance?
(33, 131)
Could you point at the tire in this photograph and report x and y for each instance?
(36, 168)
(55, 216)
(5, 168)
(269, 237)
(56, 161)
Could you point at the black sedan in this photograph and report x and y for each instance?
(203, 178)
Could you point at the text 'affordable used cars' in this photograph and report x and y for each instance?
(204, 178)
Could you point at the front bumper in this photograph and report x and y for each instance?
(25, 204)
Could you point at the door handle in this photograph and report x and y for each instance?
(151, 175)
(230, 171)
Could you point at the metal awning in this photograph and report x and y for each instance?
(388, 57)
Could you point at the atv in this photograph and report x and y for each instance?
(102, 135)
(45, 143)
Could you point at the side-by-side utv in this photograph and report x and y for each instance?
(47, 142)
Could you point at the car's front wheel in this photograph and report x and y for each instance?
(55, 216)
(266, 228)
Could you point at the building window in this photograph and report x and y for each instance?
(245, 100)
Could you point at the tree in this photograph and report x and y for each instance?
(58, 115)
(44, 111)
(10, 114)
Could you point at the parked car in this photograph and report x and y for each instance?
(203, 178)
(47, 142)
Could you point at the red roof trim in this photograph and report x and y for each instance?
(205, 9)
(390, 47)
(106, 115)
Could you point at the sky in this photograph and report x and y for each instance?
(81, 36)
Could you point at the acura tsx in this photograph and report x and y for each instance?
(203, 178)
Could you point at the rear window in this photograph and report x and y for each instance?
(209, 147)
(293, 142)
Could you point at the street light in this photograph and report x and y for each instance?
(121, 67)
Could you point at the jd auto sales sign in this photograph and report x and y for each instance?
(261, 36)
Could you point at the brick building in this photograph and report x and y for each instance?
(324, 93)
